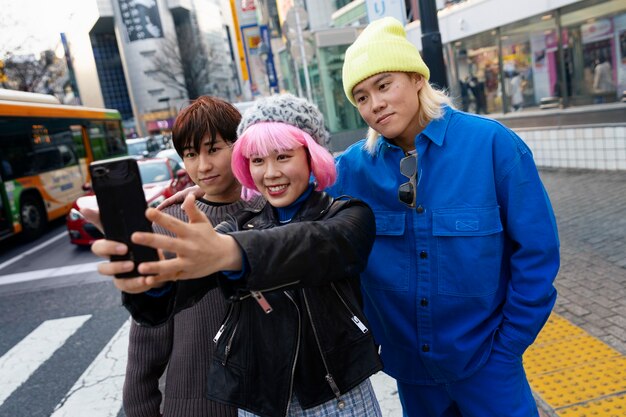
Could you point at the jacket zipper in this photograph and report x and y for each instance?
(262, 301)
(229, 344)
(260, 298)
(295, 359)
(223, 326)
(329, 378)
(249, 294)
(232, 336)
(353, 317)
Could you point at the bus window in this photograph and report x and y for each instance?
(79, 144)
(96, 138)
(106, 140)
(6, 170)
(114, 138)
(68, 158)
(44, 160)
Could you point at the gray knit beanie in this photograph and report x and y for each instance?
(289, 109)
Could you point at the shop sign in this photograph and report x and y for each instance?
(377, 9)
(596, 31)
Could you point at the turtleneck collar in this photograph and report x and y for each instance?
(285, 214)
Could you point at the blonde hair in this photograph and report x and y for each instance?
(430, 100)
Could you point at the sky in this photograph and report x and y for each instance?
(34, 25)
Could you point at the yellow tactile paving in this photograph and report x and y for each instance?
(575, 373)
(582, 383)
(565, 353)
(610, 407)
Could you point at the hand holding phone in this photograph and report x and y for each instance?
(122, 205)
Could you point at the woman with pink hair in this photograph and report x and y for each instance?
(295, 341)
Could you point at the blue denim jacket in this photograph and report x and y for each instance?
(471, 265)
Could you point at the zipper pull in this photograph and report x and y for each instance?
(359, 324)
(333, 385)
(219, 333)
(262, 301)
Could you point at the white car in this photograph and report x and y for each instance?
(143, 147)
(171, 154)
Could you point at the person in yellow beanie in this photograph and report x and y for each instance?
(460, 279)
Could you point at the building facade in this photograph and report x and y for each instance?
(502, 56)
(147, 58)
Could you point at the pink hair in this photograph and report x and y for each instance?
(263, 138)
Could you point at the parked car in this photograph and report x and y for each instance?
(161, 177)
(171, 154)
(146, 147)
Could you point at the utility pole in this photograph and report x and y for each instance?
(432, 49)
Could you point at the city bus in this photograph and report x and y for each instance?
(45, 149)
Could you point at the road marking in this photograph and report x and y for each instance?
(32, 250)
(98, 392)
(48, 273)
(19, 363)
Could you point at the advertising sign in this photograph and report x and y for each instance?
(140, 19)
(595, 31)
(383, 8)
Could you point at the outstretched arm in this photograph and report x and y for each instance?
(201, 251)
(309, 252)
(179, 197)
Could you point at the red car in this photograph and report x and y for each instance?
(161, 177)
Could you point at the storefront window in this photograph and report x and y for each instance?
(478, 73)
(339, 113)
(530, 62)
(590, 68)
(595, 57)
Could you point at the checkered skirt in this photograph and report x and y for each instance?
(359, 402)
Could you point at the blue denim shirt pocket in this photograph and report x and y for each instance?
(469, 250)
(388, 264)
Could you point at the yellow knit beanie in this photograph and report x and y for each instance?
(381, 47)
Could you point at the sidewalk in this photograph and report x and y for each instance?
(577, 366)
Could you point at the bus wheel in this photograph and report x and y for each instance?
(33, 217)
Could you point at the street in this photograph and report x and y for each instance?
(63, 340)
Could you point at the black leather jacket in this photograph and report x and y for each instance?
(315, 341)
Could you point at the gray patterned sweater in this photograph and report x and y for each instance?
(184, 346)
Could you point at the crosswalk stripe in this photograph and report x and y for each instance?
(19, 363)
(49, 273)
(98, 392)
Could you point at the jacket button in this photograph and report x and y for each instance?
(423, 254)
(425, 348)
(420, 209)
(424, 302)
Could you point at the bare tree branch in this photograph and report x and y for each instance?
(184, 65)
(28, 73)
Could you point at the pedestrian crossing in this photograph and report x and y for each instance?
(19, 363)
(562, 360)
(96, 393)
(90, 392)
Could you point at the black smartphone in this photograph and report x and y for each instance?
(122, 205)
